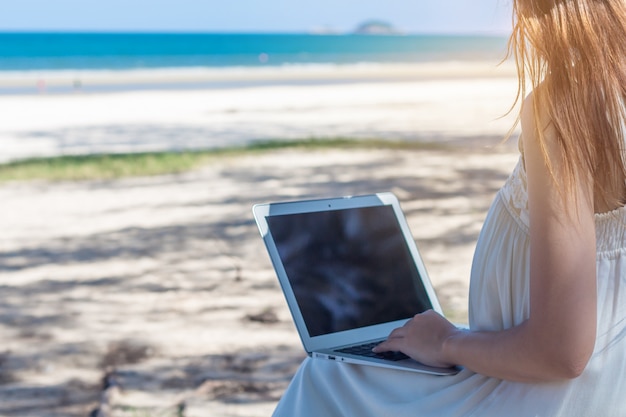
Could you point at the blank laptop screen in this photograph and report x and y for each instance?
(348, 268)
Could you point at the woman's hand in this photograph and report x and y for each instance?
(422, 338)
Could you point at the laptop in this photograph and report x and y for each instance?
(350, 272)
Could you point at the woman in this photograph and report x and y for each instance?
(548, 283)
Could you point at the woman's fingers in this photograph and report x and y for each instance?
(393, 342)
(389, 345)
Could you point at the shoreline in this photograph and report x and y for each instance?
(103, 80)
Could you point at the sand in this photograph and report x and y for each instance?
(443, 104)
(154, 296)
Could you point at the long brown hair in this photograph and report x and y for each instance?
(575, 52)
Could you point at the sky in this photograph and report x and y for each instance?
(413, 16)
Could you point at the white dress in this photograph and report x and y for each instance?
(498, 299)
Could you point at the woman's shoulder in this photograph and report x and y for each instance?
(534, 115)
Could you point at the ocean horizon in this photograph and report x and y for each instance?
(58, 51)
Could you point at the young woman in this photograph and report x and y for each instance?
(548, 284)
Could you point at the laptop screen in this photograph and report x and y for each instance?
(348, 268)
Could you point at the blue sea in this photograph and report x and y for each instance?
(123, 51)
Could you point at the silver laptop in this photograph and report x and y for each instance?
(351, 273)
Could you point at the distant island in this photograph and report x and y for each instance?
(376, 27)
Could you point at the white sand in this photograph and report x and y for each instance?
(158, 284)
(456, 102)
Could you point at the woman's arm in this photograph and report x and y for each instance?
(558, 338)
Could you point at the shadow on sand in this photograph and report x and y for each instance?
(82, 312)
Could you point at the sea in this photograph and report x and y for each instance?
(123, 51)
(63, 62)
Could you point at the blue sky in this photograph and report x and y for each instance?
(419, 16)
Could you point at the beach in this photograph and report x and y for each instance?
(154, 295)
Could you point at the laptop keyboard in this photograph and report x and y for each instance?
(366, 350)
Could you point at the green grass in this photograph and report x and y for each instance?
(111, 166)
